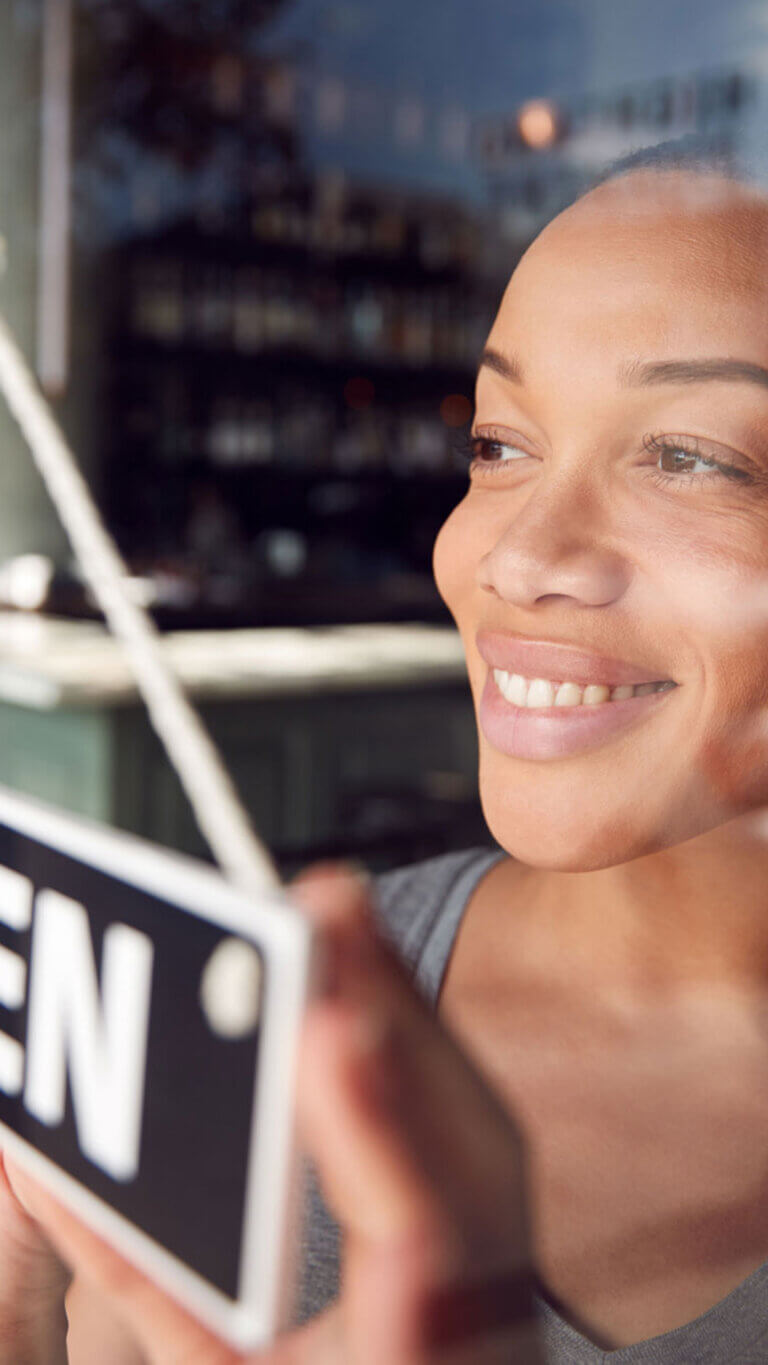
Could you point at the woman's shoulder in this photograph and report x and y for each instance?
(419, 906)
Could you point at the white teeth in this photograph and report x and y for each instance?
(568, 694)
(595, 693)
(540, 693)
(517, 689)
(504, 683)
(534, 693)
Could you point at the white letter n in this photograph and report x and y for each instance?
(103, 1041)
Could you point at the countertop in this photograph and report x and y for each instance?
(48, 662)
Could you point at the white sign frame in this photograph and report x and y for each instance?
(284, 938)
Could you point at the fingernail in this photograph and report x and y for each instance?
(354, 868)
(349, 867)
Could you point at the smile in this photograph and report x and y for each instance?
(536, 693)
(542, 718)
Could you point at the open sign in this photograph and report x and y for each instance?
(149, 1016)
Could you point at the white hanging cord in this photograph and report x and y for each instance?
(210, 790)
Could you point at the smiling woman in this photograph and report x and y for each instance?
(618, 505)
(593, 1051)
(608, 573)
(607, 570)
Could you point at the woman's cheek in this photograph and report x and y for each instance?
(725, 606)
(707, 568)
(719, 595)
(714, 593)
(734, 751)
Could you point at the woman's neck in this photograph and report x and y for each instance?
(688, 917)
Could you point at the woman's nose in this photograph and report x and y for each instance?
(555, 548)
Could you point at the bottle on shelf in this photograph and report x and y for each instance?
(223, 438)
(211, 306)
(329, 323)
(304, 427)
(417, 330)
(249, 331)
(364, 320)
(361, 443)
(448, 340)
(420, 443)
(257, 433)
(388, 232)
(157, 300)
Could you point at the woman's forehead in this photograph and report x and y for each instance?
(639, 255)
(645, 215)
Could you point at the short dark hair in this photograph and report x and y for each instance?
(685, 153)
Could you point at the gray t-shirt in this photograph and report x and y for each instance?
(420, 908)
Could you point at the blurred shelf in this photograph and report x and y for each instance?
(299, 602)
(281, 475)
(188, 242)
(47, 662)
(286, 362)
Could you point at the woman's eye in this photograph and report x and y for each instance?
(675, 458)
(484, 450)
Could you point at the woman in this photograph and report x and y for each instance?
(607, 571)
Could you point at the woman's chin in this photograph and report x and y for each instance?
(551, 844)
(558, 857)
(577, 840)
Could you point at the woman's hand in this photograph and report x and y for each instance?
(33, 1282)
(419, 1162)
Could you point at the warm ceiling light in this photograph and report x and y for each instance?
(538, 123)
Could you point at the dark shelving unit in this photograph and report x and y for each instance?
(252, 403)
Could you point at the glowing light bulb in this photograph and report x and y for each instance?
(538, 123)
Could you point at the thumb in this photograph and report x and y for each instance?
(336, 895)
(21, 1227)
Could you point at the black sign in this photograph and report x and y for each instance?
(148, 1020)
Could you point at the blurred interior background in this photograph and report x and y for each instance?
(253, 249)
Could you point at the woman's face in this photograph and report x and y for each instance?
(622, 511)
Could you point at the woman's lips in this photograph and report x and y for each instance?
(561, 663)
(557, 731)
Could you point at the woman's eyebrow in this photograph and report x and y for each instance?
(692, 372)
(506, 365)
(640, 373)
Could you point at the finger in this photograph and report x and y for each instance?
(26, 1235)
(33, 1284)
(372, 1189)
(401, 1124)
(365, 1169)
(402, 1157)
(165, 1331)
(337, 897)
(391, 1314)
(420, 1163)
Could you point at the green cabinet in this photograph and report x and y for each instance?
(382, 774)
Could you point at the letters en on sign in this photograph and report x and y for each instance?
(149, 1017)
